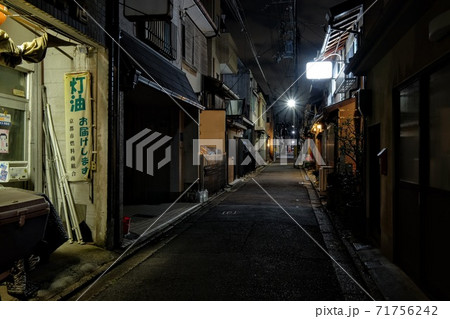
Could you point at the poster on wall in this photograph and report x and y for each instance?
(78, 116)
(5, 119)
(4, 175)
(4, 141)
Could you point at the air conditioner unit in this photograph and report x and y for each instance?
(135, 10)
(323, 175)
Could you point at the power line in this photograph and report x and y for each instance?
(236, 9)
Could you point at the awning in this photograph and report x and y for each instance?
(237, 125)
(239, 121)
(165, 76)
(216, 86)
(248, 121)
(338, 105)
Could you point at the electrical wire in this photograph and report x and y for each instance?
(236, 8)
(163, 89)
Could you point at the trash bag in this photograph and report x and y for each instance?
(55, 234)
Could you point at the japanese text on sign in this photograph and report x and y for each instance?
(78, 125)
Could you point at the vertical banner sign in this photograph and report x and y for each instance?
(77, 94)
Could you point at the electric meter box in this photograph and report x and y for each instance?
(14, 172)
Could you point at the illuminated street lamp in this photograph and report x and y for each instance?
(291, 103)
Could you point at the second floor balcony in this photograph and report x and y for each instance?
(160, 35)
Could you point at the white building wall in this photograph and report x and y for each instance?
(89, 208)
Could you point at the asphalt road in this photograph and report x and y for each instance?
(243, 248)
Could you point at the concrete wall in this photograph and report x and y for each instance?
(89, 196)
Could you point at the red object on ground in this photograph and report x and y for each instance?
(126, 225)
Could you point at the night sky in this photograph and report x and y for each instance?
(263, 19)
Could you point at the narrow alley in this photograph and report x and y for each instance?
(245, 247)
(225, 150)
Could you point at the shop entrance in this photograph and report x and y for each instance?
(145, 108)
(423, 180)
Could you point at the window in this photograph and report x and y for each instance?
(13, 105)
(234, 107)
(219, 103)
(12, 134)
(409, 133)
(195, 47)
(424, 107)
(183, 41)
(12, 82)
(439, 129)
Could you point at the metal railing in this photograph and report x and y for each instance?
(162, 35)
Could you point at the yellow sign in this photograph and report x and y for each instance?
(77, 95)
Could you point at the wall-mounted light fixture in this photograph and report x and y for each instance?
(317, 128)
(439, 27)
(319, 70)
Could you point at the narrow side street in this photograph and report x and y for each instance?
(243, 248)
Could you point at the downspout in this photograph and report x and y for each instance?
(115, 163)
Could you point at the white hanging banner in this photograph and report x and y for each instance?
(77, 88)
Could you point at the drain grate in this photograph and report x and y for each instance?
(144, 216)
(373, 264)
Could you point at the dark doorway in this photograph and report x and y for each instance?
(146, 108)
